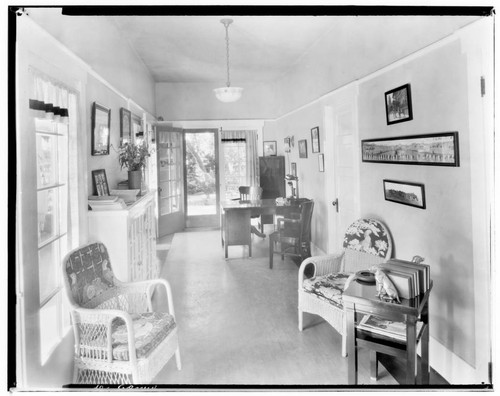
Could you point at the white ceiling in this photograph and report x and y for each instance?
(263, 48)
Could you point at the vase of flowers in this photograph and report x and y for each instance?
(133, 157)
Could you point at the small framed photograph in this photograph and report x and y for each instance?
(303, 148)
(287, 145)
(101, 121)
(125, 126)
(398, 105)
(315, 140)
(270, 148)
(100, 182)
(321, 162)
(406, 193)
(293, 169)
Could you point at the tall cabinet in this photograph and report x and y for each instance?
(130, 237)
(272, 181)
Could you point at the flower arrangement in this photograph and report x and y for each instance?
(133, 156)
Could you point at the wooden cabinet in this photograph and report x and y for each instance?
(272, 176)
(130, 236)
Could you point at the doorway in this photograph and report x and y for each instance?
(201, 178)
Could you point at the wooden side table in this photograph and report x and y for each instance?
(360, 299)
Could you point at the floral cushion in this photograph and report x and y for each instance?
(150, 330)
(368, 236)
(89, 272)
(328, 287)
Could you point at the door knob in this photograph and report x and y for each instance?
(336, 204)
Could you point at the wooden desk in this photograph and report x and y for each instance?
(360, 299)
(235, 220)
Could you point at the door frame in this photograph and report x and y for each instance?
(202, 220)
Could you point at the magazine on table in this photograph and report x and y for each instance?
(388, 328)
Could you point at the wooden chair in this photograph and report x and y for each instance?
(293, 235)
(253, 193)
(367, 242)
(118, 337)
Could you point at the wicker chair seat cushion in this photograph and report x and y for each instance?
(150, 330)
(368, 236)
(329, 287)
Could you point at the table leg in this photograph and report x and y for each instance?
(411, 351)
(424, 345)
(373, 365)
(352, 354)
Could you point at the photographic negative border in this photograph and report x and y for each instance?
(385, 150)
(315, 145)
(99, 127)
(100, 182)
(388, 98)
(412, 195)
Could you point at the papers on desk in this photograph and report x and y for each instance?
(388, 328)
(106, 202)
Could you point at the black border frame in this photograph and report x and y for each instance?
(313, 139)
(128, 114)
(96, 106)
(422, 192)
(302, 154)
(94, 184)
(410, 107)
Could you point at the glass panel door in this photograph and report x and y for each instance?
(201, 177)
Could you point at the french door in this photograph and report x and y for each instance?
(201, 177)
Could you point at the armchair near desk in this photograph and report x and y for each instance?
(293, 234)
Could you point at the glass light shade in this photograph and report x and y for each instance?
(228, 94)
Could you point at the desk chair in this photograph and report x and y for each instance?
(252, 193)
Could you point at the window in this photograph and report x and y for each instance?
(235, 170)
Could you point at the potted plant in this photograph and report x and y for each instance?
(133, 157)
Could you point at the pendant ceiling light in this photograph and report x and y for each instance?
(228, 94)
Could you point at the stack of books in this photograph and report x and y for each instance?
(106, 202)
(388, 328)
(410, 279)
(123, 185)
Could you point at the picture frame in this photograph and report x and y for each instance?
(321, 162)
(270, 148)
(287, 145)
(100, 182)
(101, 122)
(439, 149)
(125, 126)
(136, 127)
(405, 193)
(398, 107)
(315, 146)
(293, 169)
(303, 148)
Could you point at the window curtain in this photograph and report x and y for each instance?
(53, 100)
(250, 138)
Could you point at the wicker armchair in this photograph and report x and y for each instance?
(118, 337)
(367, 242)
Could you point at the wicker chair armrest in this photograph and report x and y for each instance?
(147, 287)
(322, 265)
(103, 317)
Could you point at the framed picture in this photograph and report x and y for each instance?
(100, 182)
(287, 145)
(293, 169)
(412, 194)
(321, 162)
(315, 140)
(398, 105)
(101, 120)
(270, 148)
(136, 127)
(125, 126)
(303, 148)
(439, 149)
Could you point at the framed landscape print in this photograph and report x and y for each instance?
(125, 126)
(101, 120)
(303, 148)
(412, 194)
(398, 105)
(270, 148)
(315, 140)
(440, 149)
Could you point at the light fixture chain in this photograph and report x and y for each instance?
(227, 54)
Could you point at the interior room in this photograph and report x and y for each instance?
(365, 140)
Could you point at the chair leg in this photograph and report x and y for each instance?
(178, 359)
(301, 317)
(344, 346)
(271, 252)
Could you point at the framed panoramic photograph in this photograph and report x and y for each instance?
(125, 126)
(303, 148)
(100, 182)
(270, 148)
(293, 169)
(440, 149)
(321, 162)
(412, 194)
(315, 140)
(398, 105)
(101, 121)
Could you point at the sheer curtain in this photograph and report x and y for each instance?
(252, 157)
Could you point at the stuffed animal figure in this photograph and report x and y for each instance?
(385, 288)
